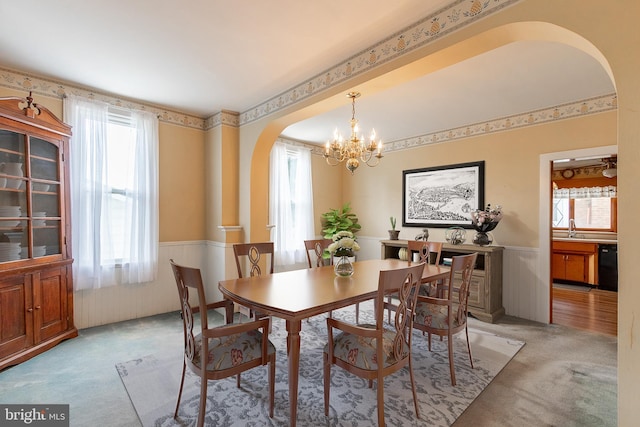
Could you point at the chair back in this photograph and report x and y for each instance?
(186, 278)
(404, 283)
(462, 268)
(425, 249)
(316, 247)
(259, 256)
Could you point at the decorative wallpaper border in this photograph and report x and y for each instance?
(42, 86)
(426, 31)
(537, 117)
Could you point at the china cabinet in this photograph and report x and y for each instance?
(485, 291)
(36, 290)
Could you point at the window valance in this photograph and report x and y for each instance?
(585, 192)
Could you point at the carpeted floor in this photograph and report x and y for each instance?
(561, 377)
(152, 383)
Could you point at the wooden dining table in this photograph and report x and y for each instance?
(299, 294)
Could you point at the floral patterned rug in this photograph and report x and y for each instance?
(152, 384)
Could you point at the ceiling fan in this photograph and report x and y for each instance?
(611, 167)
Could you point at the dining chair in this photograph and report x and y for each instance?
(427, 251)
(317, 247)
(223, 351)
(256, 257)
(446, 315)
(374, 351)
(314, 249)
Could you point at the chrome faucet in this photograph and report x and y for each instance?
(572, 228)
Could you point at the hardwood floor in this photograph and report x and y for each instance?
(595, 310)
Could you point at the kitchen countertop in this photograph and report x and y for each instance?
(586, 240)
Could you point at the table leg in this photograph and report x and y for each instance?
(293, 349)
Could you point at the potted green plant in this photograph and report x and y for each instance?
(337, 220)
(341, 219)
(393, 233)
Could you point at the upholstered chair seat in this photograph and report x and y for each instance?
(231, 351)
(436, 316)
(360, 351)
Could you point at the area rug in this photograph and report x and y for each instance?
(152, 384)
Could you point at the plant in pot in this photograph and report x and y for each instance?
(337, 220)
(393, 233)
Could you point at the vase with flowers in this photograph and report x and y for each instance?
(343, 250)
(484, 221)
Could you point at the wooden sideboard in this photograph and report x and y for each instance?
(485, 298)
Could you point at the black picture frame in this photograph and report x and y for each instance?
(442, 196)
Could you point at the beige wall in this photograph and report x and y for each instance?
(182, 195)
(182, 183)
(512, 160)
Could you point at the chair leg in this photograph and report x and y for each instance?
(380, 401)
(203, 401)
(272, 382)
(413, 388)
(468, 345)
(238, 380)
(357, 313)
(451, 366)
(184, 367)
(327, 383)
(389, 310)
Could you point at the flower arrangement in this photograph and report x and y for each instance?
(344, 244)
(487, 219)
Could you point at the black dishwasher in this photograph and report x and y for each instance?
(608, 267)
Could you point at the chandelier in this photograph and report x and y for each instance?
(354, 150)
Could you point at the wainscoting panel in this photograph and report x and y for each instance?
(124, 302)
(525, 294)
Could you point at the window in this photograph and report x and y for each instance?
(290, 202)
(114, 193)
(119, 186)
(590, 210)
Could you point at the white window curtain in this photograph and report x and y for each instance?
(290, 202)
(97, 236)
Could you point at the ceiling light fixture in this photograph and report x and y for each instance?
(611, 170)
(354, 149)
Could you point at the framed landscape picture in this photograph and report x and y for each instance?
(442, 196)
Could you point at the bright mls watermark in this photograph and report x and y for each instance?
(34, 415)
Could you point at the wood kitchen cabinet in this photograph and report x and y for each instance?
(485, 292)
(575, 261)
(36, 287)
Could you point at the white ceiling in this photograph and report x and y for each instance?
(213, 55)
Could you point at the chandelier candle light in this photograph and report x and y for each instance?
(354, 149)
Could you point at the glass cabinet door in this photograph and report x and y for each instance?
(30, 221)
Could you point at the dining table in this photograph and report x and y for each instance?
(300, 294)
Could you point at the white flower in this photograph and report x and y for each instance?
(344, 244)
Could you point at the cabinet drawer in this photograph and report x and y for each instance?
(575, 247)
(477, 289)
